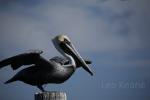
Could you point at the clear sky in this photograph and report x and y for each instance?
(114, 34)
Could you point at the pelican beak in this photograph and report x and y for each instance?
(70, 49)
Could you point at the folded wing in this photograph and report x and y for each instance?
(65, 61)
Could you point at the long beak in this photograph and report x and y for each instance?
(69, 48)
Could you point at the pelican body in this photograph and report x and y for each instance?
(56, 70)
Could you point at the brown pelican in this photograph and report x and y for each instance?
(56, 70)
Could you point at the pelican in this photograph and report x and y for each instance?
(56, 70)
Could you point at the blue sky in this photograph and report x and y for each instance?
(114, 34)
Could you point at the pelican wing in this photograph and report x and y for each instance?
(61, 60)
(65, 61)
(29, 58)
(87, 61)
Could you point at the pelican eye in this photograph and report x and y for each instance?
(66, 41)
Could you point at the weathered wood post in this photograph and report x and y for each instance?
(52, 95)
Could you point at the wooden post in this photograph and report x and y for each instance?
(52, 95)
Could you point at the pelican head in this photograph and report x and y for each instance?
(63, 44)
